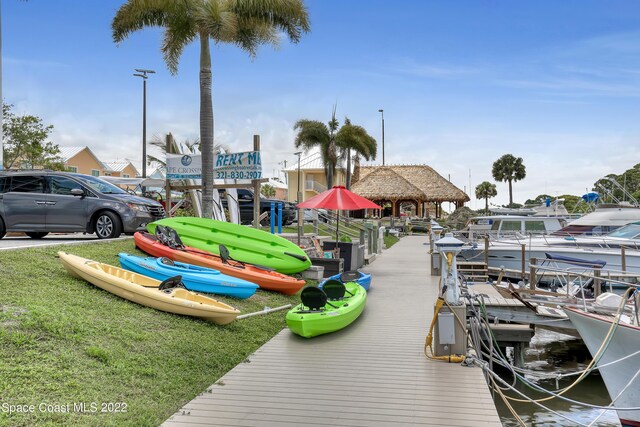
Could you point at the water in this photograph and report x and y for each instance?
(548, 354)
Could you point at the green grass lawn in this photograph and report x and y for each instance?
(64, 341)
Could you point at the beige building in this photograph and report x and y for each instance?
(312, 177)
(83, 160)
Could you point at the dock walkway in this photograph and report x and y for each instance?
(373, 373)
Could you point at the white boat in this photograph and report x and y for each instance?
(622, 379)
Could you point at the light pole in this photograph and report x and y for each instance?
(299, 197)
(143, 73)
(381, 111)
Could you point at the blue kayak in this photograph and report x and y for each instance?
(195, 278)
(359, 277)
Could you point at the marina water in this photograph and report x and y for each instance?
(548, 355)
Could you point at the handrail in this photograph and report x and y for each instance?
(314, 185)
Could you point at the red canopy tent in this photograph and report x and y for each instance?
(340, 199)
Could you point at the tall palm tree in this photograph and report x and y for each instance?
(508, 168)
(352, 137)
(312, 133)
(246, 24)
(486, 190)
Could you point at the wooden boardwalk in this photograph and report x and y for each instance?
(372, 373)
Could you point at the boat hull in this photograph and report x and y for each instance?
(309, 324)
(269, 280)
(244, 243)
(593, 329)
(144, 290)
(195, 278)
(364, 280)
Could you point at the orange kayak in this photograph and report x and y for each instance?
(263, 277)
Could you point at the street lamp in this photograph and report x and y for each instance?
(381, 111)
(299, 196)
(143, 73)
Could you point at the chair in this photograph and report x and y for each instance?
(313, 298)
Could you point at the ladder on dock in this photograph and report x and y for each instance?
(473, 271)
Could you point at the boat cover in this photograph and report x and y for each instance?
(596, 263)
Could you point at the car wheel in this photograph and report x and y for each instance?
(36, 234)
(3, 230)
(108, 225)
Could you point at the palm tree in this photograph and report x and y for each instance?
(246, 24)
(335, 143)
(353, 137)
(508, 168)
(486, 190)
(312, 133)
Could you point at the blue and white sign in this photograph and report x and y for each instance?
(240, 166)
(184, 166)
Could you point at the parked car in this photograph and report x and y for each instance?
(38, 202)
(245, 203)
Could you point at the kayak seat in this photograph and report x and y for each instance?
(170, 283)
(167, 261)
(224, 254)
(174, 239)
(334, 289)
(313, 298)
(349, 276)
(161, 235)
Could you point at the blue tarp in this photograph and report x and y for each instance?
(591, 197)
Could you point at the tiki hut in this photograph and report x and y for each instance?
(418, 185)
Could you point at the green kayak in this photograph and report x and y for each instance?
(326, 310)
(244, 243)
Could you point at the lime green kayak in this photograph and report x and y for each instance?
(323, 311)
(244, 243)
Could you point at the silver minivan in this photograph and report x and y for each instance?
(41, 202)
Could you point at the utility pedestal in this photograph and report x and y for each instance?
(451, 324)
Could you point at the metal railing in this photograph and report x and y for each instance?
(310, 184)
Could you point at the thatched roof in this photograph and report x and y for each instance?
(384, 183)
(432, 186)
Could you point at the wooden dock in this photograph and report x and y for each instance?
(372, 373)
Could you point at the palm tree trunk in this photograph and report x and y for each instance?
(486, 205)
(510, 194)
(206, 126)
(329, 177)
(348, 169)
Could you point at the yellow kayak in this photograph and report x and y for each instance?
(147, 291)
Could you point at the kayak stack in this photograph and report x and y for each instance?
(264, 277)
(194, 277)
(326, 310)
(245, 244)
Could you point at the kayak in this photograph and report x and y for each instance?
(323, 311)
(194, 277)
(265, 278)
(165, 296)
(245, 244)
(359, 277)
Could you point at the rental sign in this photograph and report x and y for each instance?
(243, 166)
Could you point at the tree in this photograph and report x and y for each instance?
(508, 169)
(25, 142)
(486, 190)
(351, 137)
(268, 191)
(246, 24)
(335, 143)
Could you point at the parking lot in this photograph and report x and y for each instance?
(22, 241)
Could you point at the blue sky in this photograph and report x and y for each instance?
(460, 82)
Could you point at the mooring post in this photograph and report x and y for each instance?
(597, 285)
(256, 188)
(533, 262)
(167, 184)
(623, 255)
(486, 251)
(522, 256)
